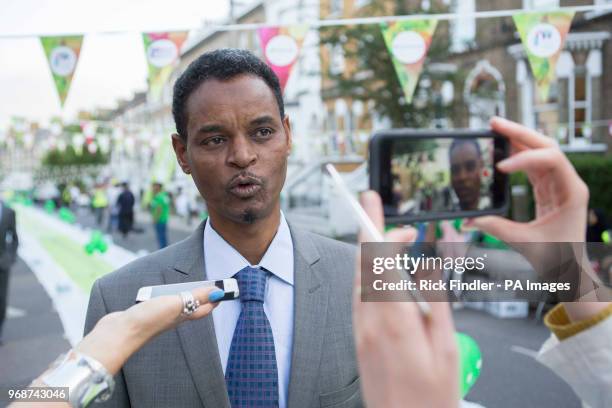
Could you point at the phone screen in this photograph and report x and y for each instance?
(427, 177)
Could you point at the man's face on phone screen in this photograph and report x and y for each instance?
(466, 170)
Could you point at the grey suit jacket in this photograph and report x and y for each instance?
(182, 368)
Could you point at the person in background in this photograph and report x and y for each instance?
(183, 204)
(112, 195)
(125, 209)
(99, 203)
(66, 196)
(75, 192)
(8, 254)
(117, 336)
(417, 360)
(160, 211)
(596, 225)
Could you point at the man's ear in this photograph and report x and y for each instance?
(287, 127)
(180, 149)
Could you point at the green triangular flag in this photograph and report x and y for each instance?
(543, 36)
(62, 55)
(408, 42)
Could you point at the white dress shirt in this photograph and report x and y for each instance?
(224, 261)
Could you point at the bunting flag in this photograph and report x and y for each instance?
(543, 36)
(408, 42)
(281, 47)
(162, 51)
(62, 55)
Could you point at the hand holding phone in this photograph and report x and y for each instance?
(430, 175)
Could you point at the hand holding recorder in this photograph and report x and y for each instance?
(117, 336)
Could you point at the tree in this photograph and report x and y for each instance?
(371, 75)
(69, 157)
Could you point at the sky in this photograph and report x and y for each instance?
(112, 63)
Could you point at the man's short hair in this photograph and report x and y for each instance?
(222, 64)
(458, 142)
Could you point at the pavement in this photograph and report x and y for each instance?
(34, 337)
(510, 376)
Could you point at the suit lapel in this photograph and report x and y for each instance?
(311, 297)
(197, 338)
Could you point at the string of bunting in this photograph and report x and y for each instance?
(407, 38)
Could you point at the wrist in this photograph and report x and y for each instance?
(85, 377)
(568, 319)
(111, 342)
(578, 311)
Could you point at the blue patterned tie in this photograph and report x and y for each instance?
(251, 374)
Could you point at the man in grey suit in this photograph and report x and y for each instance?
(8, 254)
(288, 341)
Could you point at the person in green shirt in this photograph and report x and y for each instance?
(160, 210)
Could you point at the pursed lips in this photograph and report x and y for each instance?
(245, 186)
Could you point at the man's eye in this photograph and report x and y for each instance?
(470, 165)
(263, 133)
(213, 141)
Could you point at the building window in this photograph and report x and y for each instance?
(546, 115)
(336, 59)
(463, 29)
(581, 105)
(571, 95)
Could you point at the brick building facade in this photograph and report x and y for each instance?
(489, 73)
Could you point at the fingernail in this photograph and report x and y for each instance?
(505, 162)
(216, 296)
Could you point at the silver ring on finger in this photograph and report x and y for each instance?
(190, 304)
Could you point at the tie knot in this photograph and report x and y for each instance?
(252, 284)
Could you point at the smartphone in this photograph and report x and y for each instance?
(433, 175)
(229, 286)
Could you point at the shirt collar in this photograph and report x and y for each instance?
(223, 260)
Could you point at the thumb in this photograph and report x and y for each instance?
(501, 228)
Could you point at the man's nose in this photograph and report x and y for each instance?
(459, 173)
(242, 153)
